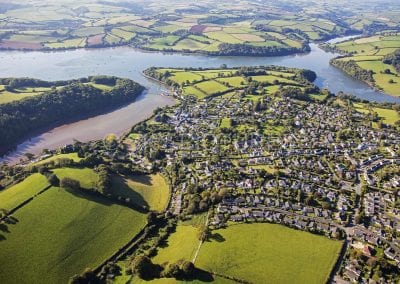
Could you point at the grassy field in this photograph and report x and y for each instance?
(269, 252)
(206, 83)
(71, 156)
(183, 243)
(216, 279)
(368, 53)
(30, 91)
(68, 43)
(210, 87)
(388, 116)
(15, 195)
(19, 94)
(53, 25)
(61, 233)
(87, 177)
(145, 190)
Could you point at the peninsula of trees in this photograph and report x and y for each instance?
(64, 100)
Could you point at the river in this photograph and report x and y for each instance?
(129, 63)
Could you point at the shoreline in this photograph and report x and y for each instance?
(59, 123)
(150, 50)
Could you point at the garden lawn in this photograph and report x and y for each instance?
(271, 253)
(61, 233)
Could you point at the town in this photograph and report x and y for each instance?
(318, 167)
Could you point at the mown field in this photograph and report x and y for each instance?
(368, 53)
(61, 232)
(271, 253)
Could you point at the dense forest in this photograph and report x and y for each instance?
(19, 118)
(393, 59)
(351, 68)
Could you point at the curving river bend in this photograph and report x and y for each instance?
(128, 62)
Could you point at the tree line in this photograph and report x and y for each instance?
(393, 59)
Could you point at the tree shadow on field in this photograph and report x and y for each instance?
(11, 220)
(143, 179)
(4, 228)
(217, 237)
(201, 275)
(89, 195)
(121, 188)
(2, 238)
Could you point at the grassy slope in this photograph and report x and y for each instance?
(15, 195)
(265, 251)
(148, 190)
(59, 234)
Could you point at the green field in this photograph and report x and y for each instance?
(19, 94)
(71, 156)
(145, 190)
(210, 87)
(182, 77)
(15, 195)
(69, 43)
(269, 252)
(368, 53)
(233, 81)
(183, 243)
(87, 177)
(199, 27)
(30, 91)
(206, 83)
(61, 232)
(388, 116)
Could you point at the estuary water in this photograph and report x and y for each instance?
(129, 63)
